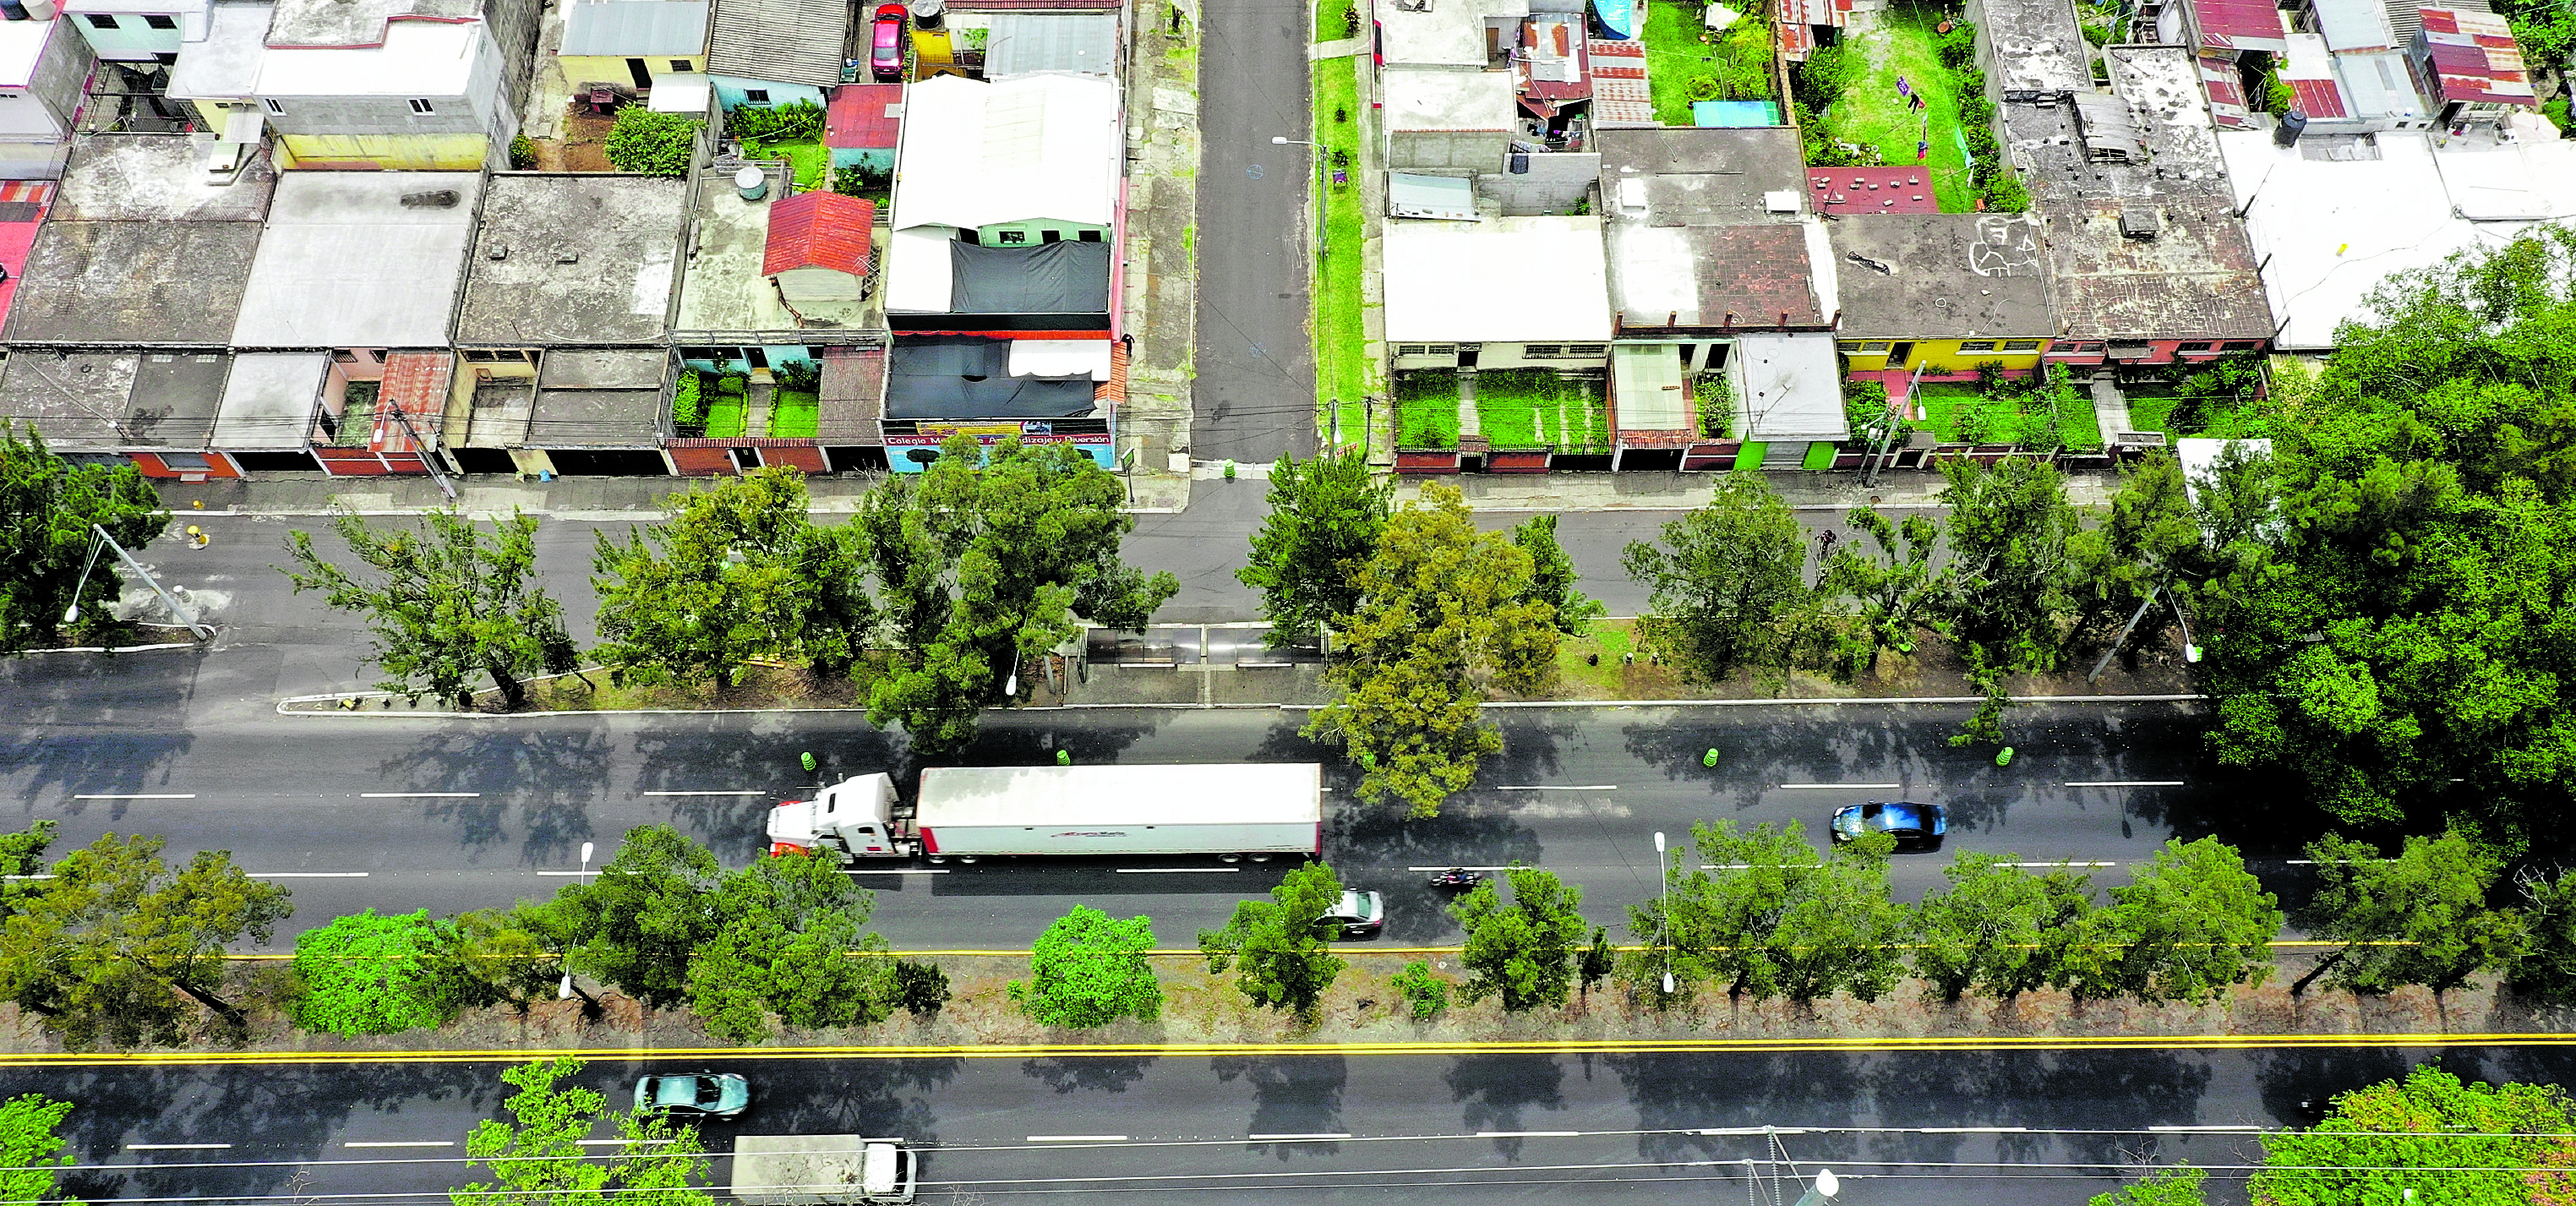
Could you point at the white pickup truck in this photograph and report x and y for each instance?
(822, 1170)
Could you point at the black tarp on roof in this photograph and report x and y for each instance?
(968, 378)
(1051, 278)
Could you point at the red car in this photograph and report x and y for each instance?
(885, 57)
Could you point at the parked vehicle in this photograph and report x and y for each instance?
(693, 1094)
(1911, 824)
(1361, 914)
(885, 52)
(822, 1170)
(1457, 877)
(1233, 811)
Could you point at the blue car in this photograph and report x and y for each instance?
(1911, 824)
(693, 1094)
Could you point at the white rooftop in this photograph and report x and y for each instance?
(360, 260)
(2328, 232)
(1505, 281)
(1245, 794)
(919, 279)
(419, 58)
(1789, 387)
(1037, 147)
(224, 64)
(270, 399)
(1419, 101)
(21, 44)
(1442, 33)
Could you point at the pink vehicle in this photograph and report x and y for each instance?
(885, 57)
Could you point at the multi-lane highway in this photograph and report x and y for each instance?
(2006, 1128)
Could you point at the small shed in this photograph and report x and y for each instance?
(818, 246)
(861, 125)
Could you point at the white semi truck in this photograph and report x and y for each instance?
(822, 1170)
(966, 813)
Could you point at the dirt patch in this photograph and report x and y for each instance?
(583, 147)
(1363, 1007)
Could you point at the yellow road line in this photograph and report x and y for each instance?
(1748, 1046)
(1194, 952)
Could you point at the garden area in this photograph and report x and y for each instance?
(2034, 412)
(726, 406)
(792, 132)
(1686, 61)
(1541, 408)
(1905, 92)
(2217, 400)
(1426, 409)
(1343, 370)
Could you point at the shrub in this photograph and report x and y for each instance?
(1826, 73)
(379, 974)
(1958, 48)
(1865, 413)
(1717, 404)
(523, 153)
(689, 400)
(1426, 993)
(1704, 87)
(804, 375)
(920, 987)
(652, 144)
(864, 178)
(2005, 194)
(801, 121)
(733, 385)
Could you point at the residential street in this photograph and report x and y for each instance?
(1533, 1128)
(401, 814)
(1254, 397)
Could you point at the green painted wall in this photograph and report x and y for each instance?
(1820, 455)
(1749, 456)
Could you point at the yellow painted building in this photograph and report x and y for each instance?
(1941, 292)
(384, 152)
(632, 42)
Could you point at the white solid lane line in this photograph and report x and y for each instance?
(2205, 1130)
(1178, 870)
(1540, 787)
(418, 795)
(306, 874)
(706, 793)
(187, 796)
(1973, 1130)
(1524, 867)
(1077, 1139)
(894, 870)
(401, 1143)
(1528, 1134)
(176, 1147)
(1286, 1138)
(2128, 783)
(1841, 786)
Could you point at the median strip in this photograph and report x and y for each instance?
(1530, 787)
(401, 1143)
(176, 1147)
(2128, 783)
(1527, 1134)
(706, 793)
(306, 874)
(419, 795)
(1077, 1139)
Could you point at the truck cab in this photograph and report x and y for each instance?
(850, 820)
(823, 1170)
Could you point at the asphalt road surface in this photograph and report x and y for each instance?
(399, 813)
(1898, 1128)
(1254, 395)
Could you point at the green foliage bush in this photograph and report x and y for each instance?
(652, 144)
(732, 385)
(689, 400)
(862, 179)
(1958, 48)
(523, 153)
(920, 987)
(801, 375)
(799, 121)
(372, 974)
(1089, 970)
(1716, 400)
(1427, 994)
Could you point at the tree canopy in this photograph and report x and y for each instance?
(451, 601)
(371, 973)
(2450, 1141)
(537, 1158)
(1762, 912)
(1724, 578)
(1524, 952)
(47, 506)
(30, 1150)
(1089, 970)
(1283, 961)
(1325, 517)
(2419, 918)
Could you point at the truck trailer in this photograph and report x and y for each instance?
(822, 1170)
(1232, 811)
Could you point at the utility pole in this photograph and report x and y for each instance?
(99, 540)
(1887, 429)
(427, 457)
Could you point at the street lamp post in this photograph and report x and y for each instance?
(1281, 140)
(563, 991)
(1664, 917)
(100, 541)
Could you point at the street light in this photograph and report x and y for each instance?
(1281, 140)
(1827, 1185)
(563, 991)
(1664, 918)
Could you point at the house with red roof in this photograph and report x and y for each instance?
(2471, 67)
(818, 247)
(862, 124)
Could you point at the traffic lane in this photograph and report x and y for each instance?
(1440, 1126)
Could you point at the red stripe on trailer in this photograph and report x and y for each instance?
(1319, 839)
(929, 841)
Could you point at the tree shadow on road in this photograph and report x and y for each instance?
(1291, 1095)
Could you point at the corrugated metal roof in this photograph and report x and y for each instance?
(2354, 25)
(1024, 43)
(864, 116)
(819, 230)
(782, 41)
(1414, 196)
(635, 28)
(2318, 98)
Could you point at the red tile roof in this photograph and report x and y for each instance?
(857, 116)
(819, 230)
(2318, 98)
(1114, 390)
(1872, 190)
(2476, 57)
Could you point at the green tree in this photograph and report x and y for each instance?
(1445, 615)
(373, 973)
(1089, 970)
(2008, 584)
(921, 987)
(637, 923)
(451, 602)
(1524, 952)
(537, 1158)
(737, 572)
(514, 954)
(2178, 1185)
(28, 1147)
(2547, 968)
(1325, 517)
(2190, 925)
(2450, 1142)
(2419, 918)
(1892, 588)
(1724, 579)
(1552, 576)
(1284, 962)
(789, 928)
(1997, 929)
(2151, 535)
(1772, 917)
(47, 506)
(106, 947)
(654, 144)
(984, 561)
(1426, 995)
(1597, 961)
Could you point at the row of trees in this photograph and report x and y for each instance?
(935, 593)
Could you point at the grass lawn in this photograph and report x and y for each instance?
(813, 162)
(1676, 55)
(725, 416)
(1871, 114)
(1426, 409)
(2156, 406)
(1536, 408)
(795, 414)
(1939, 401)
(1330, 23)
(1943, 401)
(1342, 367)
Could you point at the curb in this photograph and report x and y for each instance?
(113, 648)
(1241, 707)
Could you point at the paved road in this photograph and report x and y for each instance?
(450, 815)
(1254, 398)
(1624, 1127)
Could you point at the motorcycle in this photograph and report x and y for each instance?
(1457, 877)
